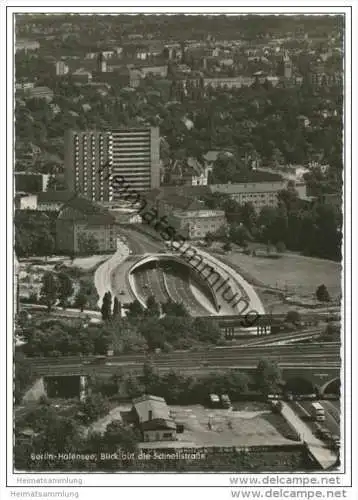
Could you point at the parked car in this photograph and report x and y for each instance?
(214, 401)
(225, 401)
(336, 443)
(276, 406)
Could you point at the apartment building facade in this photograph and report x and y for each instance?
(196, 224)
(260, 194)
(96, 162)
(87, 164)
(80, 221)
(135, 157)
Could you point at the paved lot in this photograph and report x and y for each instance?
(207, 427)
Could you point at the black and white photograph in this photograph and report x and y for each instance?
(179, 216)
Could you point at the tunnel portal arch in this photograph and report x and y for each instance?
(332, 387)
(300, 385)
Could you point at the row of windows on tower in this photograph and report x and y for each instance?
(93, 141)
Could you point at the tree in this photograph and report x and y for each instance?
(106, 308)
(171, 308)
(333, 330)
(322, 294)
(117, 307)
(268, 377)
(239, 234)
(280, 247)
(24, 376)
(248, 216)
(65, 288)
(120, 436)
(293, 317)
(227, 247)
(80, 300)
(206, 330)
(154, 332)
(135, 310)
(209, 238)
(149, 377)
(87, 244)
(33, 234)
(153, 308)
(49, 290)
(94, 407)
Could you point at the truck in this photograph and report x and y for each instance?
(317, 412)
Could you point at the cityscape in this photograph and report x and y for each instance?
(178, 193)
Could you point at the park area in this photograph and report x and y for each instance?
(291, 273)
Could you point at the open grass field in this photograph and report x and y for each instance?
(291, 272)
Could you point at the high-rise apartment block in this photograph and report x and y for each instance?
(135, 157)
(87, 164)
(95, 160)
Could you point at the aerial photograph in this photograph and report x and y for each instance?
(177, 208)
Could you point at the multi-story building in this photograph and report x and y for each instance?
(87, 164)
(229, 82)
(260, 194)
(196, 223)
(134, 156)
(82, 224)
(61, 68)
(180, 207)
(26, 45)
(40, 93)
(26, 201)
(31, 182)
(53, 201)
(96, 160)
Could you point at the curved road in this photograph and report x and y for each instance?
(180, 291)
(151, 281)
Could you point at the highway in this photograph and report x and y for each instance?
(179, 291)
(150, 282)
(332, 409)
(305, 357)
(141, 244)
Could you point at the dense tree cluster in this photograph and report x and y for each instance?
(314, 229)
(177, 388)
(24, 376)
(176, 329)
(56, 287)
(137, 332)
(34, 234)
(56, 338)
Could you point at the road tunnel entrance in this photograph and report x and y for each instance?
(63, 387)
(333, 387)
(299, 386)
